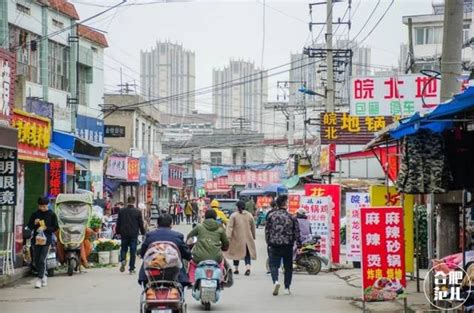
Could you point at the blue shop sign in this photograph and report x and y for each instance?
(143, 170)
(90, 128)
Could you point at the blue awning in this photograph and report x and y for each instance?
(56, 151)
(80, 147)
(252, 192)
(275, 188)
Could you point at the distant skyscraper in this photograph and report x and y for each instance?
(239, 96)
(168, 70)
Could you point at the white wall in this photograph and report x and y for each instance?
(61, 38)
(226, 154)
(30, 22)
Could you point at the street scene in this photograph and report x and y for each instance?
(173, 156)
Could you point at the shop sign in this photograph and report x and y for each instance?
(114, 131)
(223, 182)
(342, 128)
(327, 159)
(334, 193)
(210, 185)
(263, 202)
(71, 169)
(143, 171)
(8, 177)
(133, 169)
(260, 177)
(175, 176)
(34, 136)
(154, 169)
(293, 203)
(318, 213)
(165, 173)
(393, 96)
(354, 201)
(55, 177)
(383, 260)
(7, 83)
(117, 167)
(383, 196)
(90, 128)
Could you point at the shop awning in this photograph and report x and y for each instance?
(252, 192)
(218, 191)
(81, 147)
(291, 182)
(275, 188)
(56, 151)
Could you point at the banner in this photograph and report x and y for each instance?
(7, 83)
(383, 261)
(327, 159)
(176, 176)
(293, 203)
(391, 96)
(318, 213)
(381, 196)
(154, 169)
(8, 177)
(34, 136)
(143, 171)
(117, 167)
(55, 177)
(263, 202)
(133, 169)
(259, 177)
(354, 201)
(334, 192)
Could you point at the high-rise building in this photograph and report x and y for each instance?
(169, 70)
(240, 92)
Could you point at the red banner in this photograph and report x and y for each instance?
(175, 176)
(222, 182)
(133, 169)
(334, 192)
(327, 159)
(34, 136)
(264, 202)
(261, 178)
(55, 177)
(383, 253)
(293, 203)
(7, 83)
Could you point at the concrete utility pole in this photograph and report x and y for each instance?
(448, 214)
(329, 60)
(413, 68)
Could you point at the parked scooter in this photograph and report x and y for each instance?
(73, 212)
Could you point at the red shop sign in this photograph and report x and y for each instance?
(133, 170)
(293, 203)
(334, 192)
(55, 177)
(175, 176)
(383, 253)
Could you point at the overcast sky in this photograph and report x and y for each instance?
(220, 30)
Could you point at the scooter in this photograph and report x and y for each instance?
(207, 286)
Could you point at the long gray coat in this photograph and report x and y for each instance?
(241, 234)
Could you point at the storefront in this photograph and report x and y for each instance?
(154, 179)
(175, 181)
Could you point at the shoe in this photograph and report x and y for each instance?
(122, 266)
(276, 288)
(247, 273)
(44, 281)
(287, 291)
(236, 272)
(131, 272)
(38, 283)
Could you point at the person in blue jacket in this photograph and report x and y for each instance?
(165, 233)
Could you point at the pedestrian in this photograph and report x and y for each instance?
(117, 207)
(202, 208)
(281, 233)
(43, 223)
(129, 226)
(188, 211)
(195, 211)
(250, 206)
(180, 211)
(241, 234)
(303, 223)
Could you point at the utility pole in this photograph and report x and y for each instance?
(193, 168)
(447, 223)
(329, 59)
(411, 50)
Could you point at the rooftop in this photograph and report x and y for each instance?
(64, 7)
(92, 35)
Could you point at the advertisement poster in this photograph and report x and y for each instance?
(383, 260)
(293, 203)
(133, 169)
(318, 213)
(381, 196)
(334, 192)
(263, 202)
(354, 201)
(117, 167)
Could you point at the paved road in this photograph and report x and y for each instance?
(108, 290)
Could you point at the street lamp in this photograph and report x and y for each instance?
(310, 92)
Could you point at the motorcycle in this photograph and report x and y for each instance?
(73, 212)
(162, 292)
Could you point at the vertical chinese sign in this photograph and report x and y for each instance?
(382, 196)
(133, 169)
(8, 177)
(293, 203)
(318, 213)
(383, 260)
(327, 159)
(334, 193)
(7, 83)
(55, 177)
(354, 202)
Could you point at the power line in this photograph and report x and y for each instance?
(367, 21)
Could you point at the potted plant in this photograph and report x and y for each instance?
(95, 223)
(115, 252)
(103, 247)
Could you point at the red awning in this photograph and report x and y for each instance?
(217, 191)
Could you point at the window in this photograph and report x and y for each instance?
(58, 65)
(216, 158)
(85, 78)
(149, 140)
(58, 24)
(143, 136)
(27, 53)
(23, 9)
(94, 49)
(137, 132)
(465, 33)
(428, 35)
(244, 157)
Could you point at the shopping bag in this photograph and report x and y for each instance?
(40, 239)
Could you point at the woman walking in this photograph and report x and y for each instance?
(188, 211)
(241, 233)
(173, 213)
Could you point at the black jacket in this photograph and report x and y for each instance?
(130, 222)
(50, 220)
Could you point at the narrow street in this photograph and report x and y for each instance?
(108, 290)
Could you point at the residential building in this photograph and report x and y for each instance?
(428, 36)
(168, 70)
(181, 128)
(239, 96)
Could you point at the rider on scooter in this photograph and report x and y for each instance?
(211, 241)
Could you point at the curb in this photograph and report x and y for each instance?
(10, 279)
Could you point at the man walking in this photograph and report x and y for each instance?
(129, 225)
(281, 233)
(250, 206)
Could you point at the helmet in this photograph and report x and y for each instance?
(301, 211)
(215, 203)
